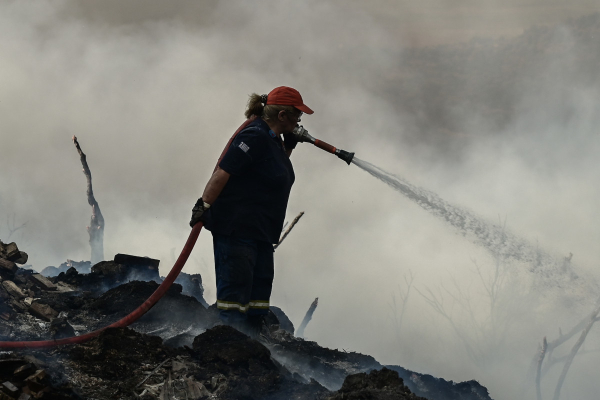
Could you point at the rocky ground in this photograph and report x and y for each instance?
(178, 350)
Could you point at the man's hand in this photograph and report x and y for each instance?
(290, 141)
(213, 188)
(198, 212)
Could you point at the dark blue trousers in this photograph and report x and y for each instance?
(244, 270)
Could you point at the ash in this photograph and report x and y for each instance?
(178, 349)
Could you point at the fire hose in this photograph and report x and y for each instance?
(301, 134)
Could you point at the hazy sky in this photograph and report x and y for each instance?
(154, 89)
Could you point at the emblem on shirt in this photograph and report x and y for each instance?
(244, 147)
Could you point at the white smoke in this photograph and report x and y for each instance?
(153, 90)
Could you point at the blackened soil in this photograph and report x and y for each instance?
(377, 385)
(328, 366)
(223, 362)
(125, 298)
(117, 352)
(70, 303)
(250, 371)
(228, 348)
(440, 389)
(173, 306)
(226, 363)
(229, 365)
(95, 283)
(111, 365)
(331, 367)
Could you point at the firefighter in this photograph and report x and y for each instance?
(244, 205)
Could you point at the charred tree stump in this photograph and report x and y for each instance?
(307, 318)
(96, 228)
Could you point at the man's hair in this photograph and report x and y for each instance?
(266, 112)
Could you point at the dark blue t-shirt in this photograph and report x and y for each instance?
(253, 203)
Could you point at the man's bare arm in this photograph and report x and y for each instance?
(215, 185)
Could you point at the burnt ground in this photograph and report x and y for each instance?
(331, 367)
(179, 350)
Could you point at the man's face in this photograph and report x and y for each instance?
(291, 120)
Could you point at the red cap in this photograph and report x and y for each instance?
(287, 96)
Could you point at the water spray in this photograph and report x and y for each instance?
(303, 136)
(550, 271)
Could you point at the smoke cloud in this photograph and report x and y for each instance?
(491, 105)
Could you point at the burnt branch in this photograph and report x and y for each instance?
(307, 318)
(153, 372)
(288, 230)
(96, 228)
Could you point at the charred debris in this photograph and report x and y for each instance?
(178, 350)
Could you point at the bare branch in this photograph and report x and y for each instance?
(438, 306)
(464, 302)
(404, 297)
(483, 282)
(398, 315)
(539, 369)
(576, 329)
(13, 229)
(586, 330)
(562, 338)
(554, 361)
(287, 232)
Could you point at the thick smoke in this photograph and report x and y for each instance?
(494, 116)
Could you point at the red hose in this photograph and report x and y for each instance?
(325, 146)
(135, 314)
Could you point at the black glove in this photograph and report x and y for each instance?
(290, 141)
(198, 212)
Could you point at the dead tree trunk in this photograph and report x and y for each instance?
(307, 318)
(96, 228)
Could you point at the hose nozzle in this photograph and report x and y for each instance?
(303, 136)
(344, 155)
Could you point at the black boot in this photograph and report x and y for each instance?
(255, 325)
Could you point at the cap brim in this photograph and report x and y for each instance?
(304, 109)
